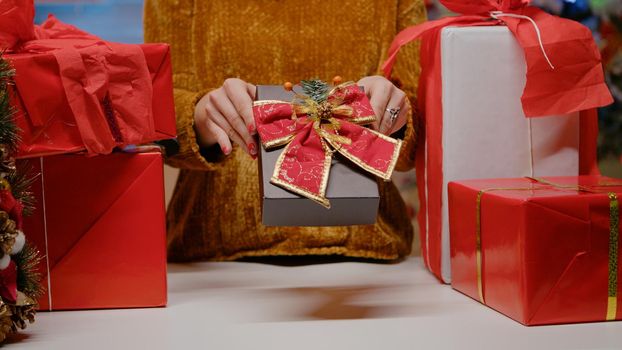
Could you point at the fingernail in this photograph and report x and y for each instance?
(251, 129)
(225, 150)
(252, 149)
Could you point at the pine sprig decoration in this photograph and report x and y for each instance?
(8, 130)
(6, 71)
(21, 183)
(28, 276)
(316, 89)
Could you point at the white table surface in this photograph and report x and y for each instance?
(324, 305)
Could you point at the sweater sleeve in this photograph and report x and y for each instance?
(171, 22)
(406, 72)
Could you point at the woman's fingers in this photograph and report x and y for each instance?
(240, 93)
(401, 118)
(252, 90)
(384, 97)
(221, 137)
(223, 123)
(227, 112)
(394, 116)
(380, 94)
(226, 108)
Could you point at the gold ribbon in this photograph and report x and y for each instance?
(614, 233)
(322, 115)
(478, 234)
(478, 246)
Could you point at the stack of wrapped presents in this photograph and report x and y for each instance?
(86, 108)
(514, 213)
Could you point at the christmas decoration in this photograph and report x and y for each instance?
(316, 89)
(8, 233)
(19, 279)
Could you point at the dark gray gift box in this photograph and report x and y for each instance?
(352, 192)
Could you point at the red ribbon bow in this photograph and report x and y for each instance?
(564, 73)
(314, 131)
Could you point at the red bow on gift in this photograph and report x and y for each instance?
(313, 131)
(564, 73)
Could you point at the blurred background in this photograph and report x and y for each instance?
(121, 20)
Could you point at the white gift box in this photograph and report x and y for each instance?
(485, 133)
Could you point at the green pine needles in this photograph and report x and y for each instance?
(28, 275)
(316, 89)
(21, 182)
(9, 133)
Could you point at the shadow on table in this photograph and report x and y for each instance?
(346, 304)
(15, 338)
(313, 260)
(306, 288)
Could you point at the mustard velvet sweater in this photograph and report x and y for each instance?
(215, 210)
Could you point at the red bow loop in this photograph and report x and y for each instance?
(351, 95)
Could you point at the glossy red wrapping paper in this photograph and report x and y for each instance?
(76, 92)
(545, 251)
(100, 223)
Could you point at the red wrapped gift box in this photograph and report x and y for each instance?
(48, 123)
(100, 223)
(548, 248)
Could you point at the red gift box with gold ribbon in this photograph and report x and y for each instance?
(539, 250)
(100, 225)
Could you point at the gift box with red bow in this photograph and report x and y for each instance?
(506, 90)
(318, 161)
(100, 224)
(539, 250)
(76, 92)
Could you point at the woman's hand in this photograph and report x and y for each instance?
(389, 103)
(226, 114)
